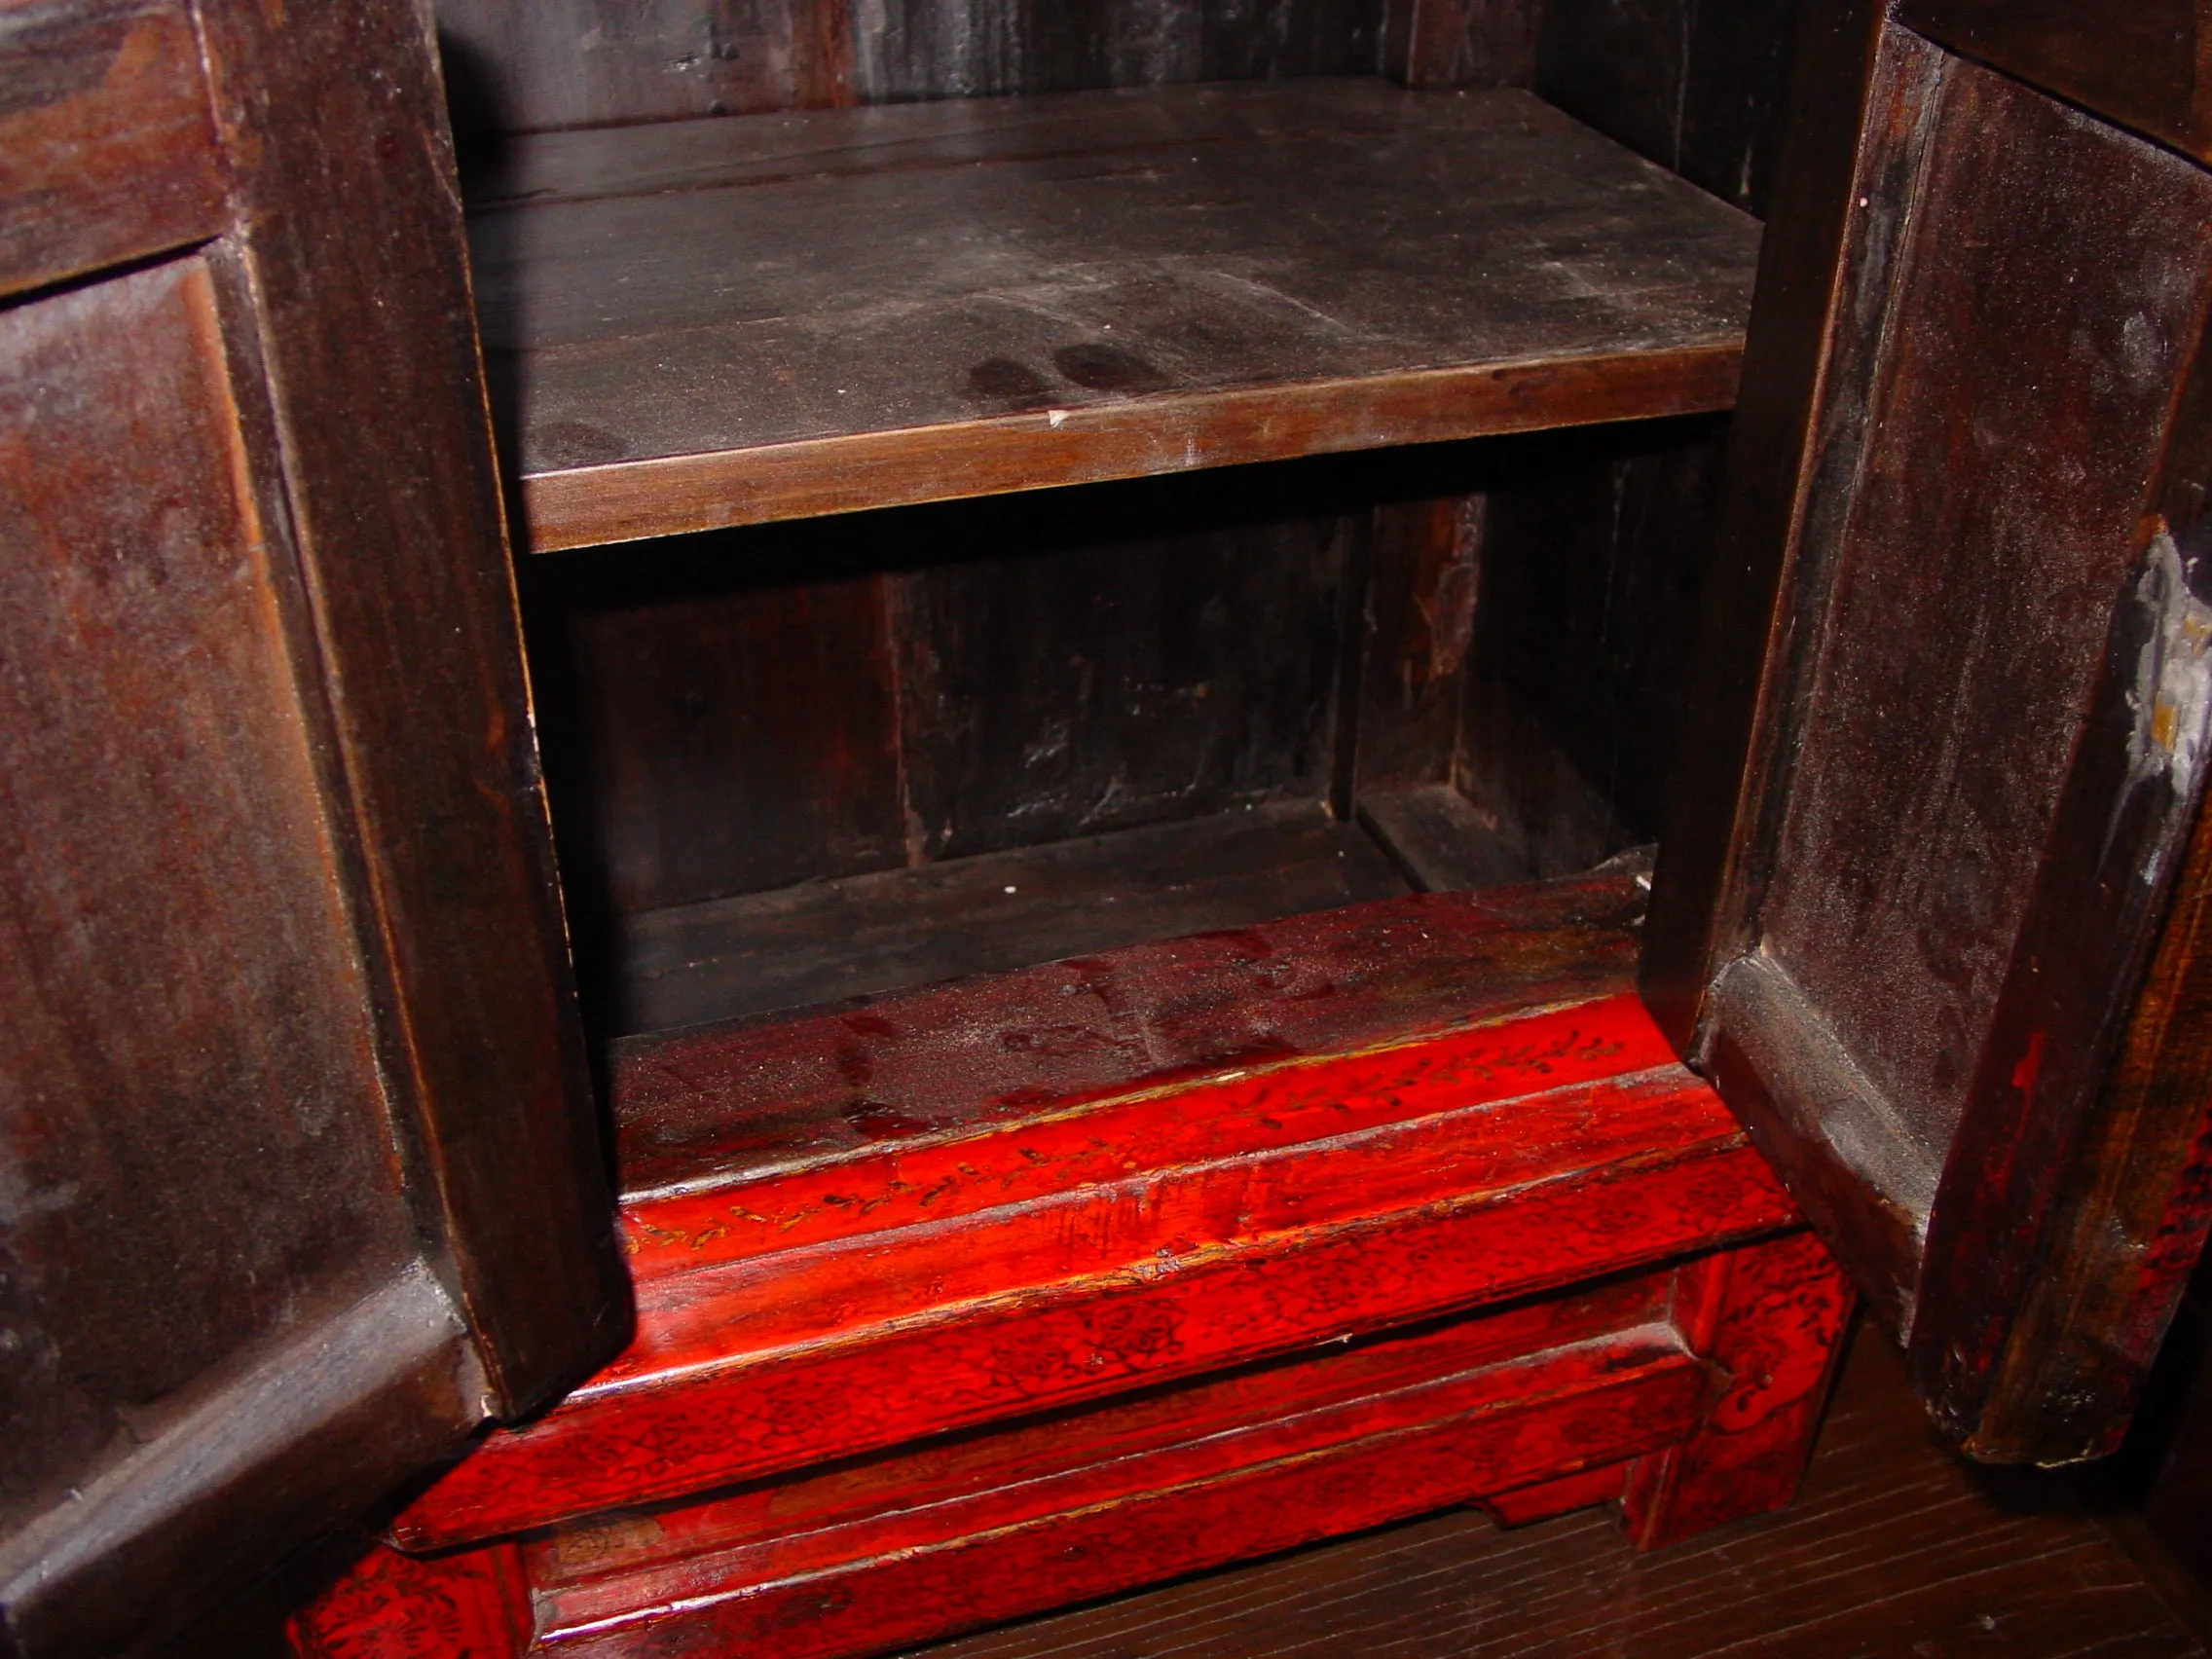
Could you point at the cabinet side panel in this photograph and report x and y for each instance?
(192, 1152)
(2041, 315)
(353, 252)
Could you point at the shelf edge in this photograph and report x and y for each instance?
(1140, 438)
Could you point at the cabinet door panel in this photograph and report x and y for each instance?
(299, 1181)
(1917, 885)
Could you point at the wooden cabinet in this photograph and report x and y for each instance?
(1102, 659)
(301, 1169)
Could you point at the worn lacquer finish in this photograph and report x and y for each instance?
(1693, 1387)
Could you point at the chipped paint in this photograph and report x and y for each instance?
(2172, 697)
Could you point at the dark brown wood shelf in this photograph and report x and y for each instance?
(728, 321)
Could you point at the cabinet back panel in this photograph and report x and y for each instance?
(566, 63)
(743, 710)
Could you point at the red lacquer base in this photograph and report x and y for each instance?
(969, 1369)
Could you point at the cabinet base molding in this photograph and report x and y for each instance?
(1690, 1395)
(1473, 1244)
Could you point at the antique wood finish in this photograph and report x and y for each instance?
(1772, 1319)
(991, 1198)
(293, 1113)
(1531, 1410)
(806, 380)
(1696, 86)
(757, 708)
(2119, 1156)
(831, 941)
(1441, 840)
(2142, 66)
(415, 619)
(1802, 294)
(1695, 1387)
(1894, 1546)
(605, 63)
(690, 1103)
(108, 138)
(1959, 808)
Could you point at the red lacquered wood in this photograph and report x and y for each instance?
(1657, 1385)
(1694, 1388)
(1547, 1498)
(1165, 1221)
(1681, 1178)
(1771, 1315)
(1120, 1431)
(1598, 1397)
(472, 1606)
(1152, 1125)
(713, 1103)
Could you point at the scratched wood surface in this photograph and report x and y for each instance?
(1894, 1547)
(845, 309)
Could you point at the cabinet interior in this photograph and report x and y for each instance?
(1382, 432)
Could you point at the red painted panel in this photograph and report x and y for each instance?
(1666, 1385)
(1772, 1316)
(473, 1606)
(1541, 1501)
(889, 1599)
(1163, 1221)
(1036, 1450)
(966, 1055)
(715, 1423)
(1529, 1412)
(1063, 1149)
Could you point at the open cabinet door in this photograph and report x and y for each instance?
(299, 1177)
(1929, 908)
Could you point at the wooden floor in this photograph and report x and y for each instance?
(1894, 1548)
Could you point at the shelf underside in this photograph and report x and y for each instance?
(734, 320)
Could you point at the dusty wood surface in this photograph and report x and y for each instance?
(2140, 65)
(845, 309)
(280, 958)
(727, 1098)
(107, 141)
(1440, 840)
(1893, 1547)
(2041, 315)
(824, 941)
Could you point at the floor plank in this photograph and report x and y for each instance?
(1896, 1547)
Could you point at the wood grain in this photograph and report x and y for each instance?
(1528, 1409)
(107, 140)
(831, 941)
(1942, 715)
(1146, 288)
(2059, 1122)
(969, 1255)
(600, 64)
(358, 283)
(2140, 66)
(283, 952)
(174, 823)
